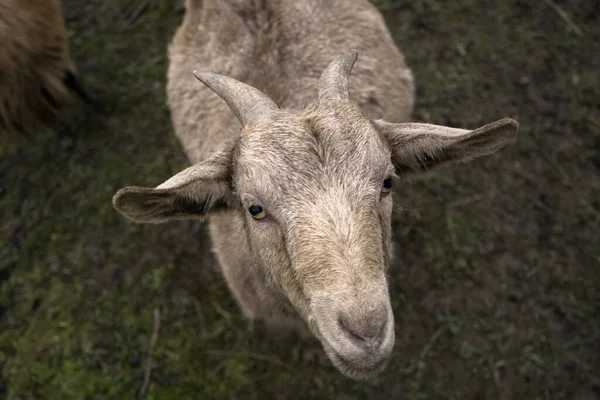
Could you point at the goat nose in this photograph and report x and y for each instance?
(366, 334)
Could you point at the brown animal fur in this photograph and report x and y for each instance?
(35, 67)
(317, 258)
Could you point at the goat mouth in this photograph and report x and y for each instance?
(356, 370)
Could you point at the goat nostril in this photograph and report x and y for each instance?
(365, 335)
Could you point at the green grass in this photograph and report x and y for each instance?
(495, 290)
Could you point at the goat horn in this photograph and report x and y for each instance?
(333, 83)
(247, 103)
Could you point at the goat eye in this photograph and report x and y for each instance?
(387, 185)
(257, 211)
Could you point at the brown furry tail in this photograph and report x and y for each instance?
(37, 101)
(30, 99)
(36, 72)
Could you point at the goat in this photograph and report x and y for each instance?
(296, 190)
(36, 70)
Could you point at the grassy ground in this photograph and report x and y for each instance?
(496, 290)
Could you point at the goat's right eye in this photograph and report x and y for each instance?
(257, 211)
(387, 186)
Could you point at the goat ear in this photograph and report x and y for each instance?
(194, 193)
(417, 147)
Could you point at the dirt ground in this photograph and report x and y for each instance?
(496, 289)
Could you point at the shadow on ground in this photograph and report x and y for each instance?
(496, 290)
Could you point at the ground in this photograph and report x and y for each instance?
(495, 289)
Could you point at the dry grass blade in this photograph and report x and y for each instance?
(565, 17)
(432, 340)
(149, 360)
(451, 229)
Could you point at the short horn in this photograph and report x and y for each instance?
(333, 83)
(246, 102)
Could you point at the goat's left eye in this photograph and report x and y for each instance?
(387, 185)
(257, 211)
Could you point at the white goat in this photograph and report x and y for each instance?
(297, 191)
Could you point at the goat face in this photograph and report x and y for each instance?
(315, 188)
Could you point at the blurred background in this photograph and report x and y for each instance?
(495, 288)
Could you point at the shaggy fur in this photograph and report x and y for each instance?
(36, 71)
(316, 257)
